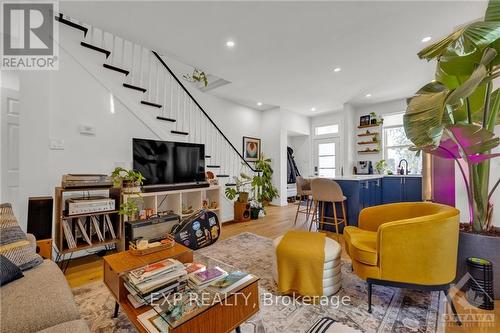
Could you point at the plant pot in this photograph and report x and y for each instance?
(265, 203)
(481, 246)
(243, 197)
(254, 213)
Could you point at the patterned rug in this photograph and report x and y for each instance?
(394, 310)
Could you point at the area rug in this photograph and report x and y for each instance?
(394, 310)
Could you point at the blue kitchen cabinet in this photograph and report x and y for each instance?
(401, 189)
(412, 188)
(392, 189)
(375, 192)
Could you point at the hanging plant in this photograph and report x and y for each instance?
(198, 76)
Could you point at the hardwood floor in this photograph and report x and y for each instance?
(277, 221)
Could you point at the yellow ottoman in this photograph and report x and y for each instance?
(332, 278)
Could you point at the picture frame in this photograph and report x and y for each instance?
(364, 120)
(251, 149)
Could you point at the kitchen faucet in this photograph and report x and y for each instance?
(404, 171)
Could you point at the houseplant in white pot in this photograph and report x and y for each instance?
(455, 115)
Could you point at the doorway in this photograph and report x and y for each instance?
(326, 157)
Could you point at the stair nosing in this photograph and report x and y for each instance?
(62, 20)
(96, 48)
(117, 69)
(213, 166)
(166, 119)
(179, 132)
(131, 86)
(151, 104)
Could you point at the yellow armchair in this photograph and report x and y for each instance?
(406, 245)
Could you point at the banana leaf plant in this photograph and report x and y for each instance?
(454, 116)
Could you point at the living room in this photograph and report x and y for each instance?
(249, 166)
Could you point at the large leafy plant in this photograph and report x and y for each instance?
(454, 116)
(262, 182)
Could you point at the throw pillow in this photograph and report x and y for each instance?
(14, 243)
(8, 271)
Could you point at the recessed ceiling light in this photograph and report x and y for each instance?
(426, 39)
(230, 43)
(368, 95)
(313, 109)
(337, 69)
(259, 104)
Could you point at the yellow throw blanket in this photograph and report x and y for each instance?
(301, 259)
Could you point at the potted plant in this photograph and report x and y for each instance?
(454, 116)
(262, 182)
(255, 208)
(380, 166)
(378, 120)
(130, 208)
(198, 77)
(129, 180)
(240, 189)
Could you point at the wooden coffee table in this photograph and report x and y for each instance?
(236, 307)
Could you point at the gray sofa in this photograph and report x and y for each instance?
(41, 301)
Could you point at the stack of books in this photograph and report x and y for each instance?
(230, 282)
(201, 279)
(155, 281)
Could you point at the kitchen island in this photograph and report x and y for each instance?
(364, 191)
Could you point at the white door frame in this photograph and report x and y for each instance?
(338, 154)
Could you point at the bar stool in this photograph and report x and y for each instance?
(326, 190)
(303, 190)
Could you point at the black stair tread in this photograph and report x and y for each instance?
(179, 132)
(151, 104)
(117, 69)
(230, 184)
(222, 176)
(130, 86)
(61, 19)
(166, 119)
(208, 156)
(96, 48)
(213, 166)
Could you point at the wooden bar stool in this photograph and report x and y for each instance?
(303, 190)
(326, 190)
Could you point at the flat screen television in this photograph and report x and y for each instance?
(168, 162)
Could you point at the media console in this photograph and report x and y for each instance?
(174, 187)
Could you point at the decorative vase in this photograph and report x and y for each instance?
(129, 187)
(254, 213)
(243, 197)
(480, 246)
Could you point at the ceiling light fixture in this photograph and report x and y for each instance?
(337, 69)
(230, 43)
(368, 95)
(313, 109)
(426, 39)
(259, 104)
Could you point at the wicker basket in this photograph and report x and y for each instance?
(168, 243)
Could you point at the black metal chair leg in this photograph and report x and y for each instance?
(117, 307)
(369, 297)
(453, 309)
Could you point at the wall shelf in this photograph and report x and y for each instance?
(368, 143)
(369, 134)
(368, 126)
(369, 152)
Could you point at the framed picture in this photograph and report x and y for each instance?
(251, 149)
(364, 120)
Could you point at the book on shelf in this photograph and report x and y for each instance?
(153, 322)
(97, 229)
(230, 282)
(149, 271)
(70, 240)
(81, 227)
(110, 226)
(204, 278)
(194, 267)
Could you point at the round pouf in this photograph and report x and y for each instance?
(332, 278)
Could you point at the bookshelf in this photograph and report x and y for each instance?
(175, 201)
(61, 218)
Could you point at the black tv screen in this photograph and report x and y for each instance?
(167, 162)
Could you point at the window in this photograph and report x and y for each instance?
(329, 129)
(396, 145)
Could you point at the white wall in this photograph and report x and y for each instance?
(55, 103)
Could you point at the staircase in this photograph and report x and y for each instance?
(141, 79)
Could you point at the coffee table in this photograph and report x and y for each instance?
(234, 308)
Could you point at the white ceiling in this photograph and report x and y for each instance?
(285, 52)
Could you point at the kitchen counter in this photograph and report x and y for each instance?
(368, 177)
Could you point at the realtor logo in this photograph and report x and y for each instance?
(28, 36)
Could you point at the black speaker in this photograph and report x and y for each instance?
(40, 217)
